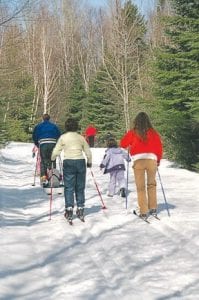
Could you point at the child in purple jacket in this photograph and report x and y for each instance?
(113, 163)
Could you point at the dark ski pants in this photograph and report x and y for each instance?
(45, 153)
(74, 171)
(91, 140)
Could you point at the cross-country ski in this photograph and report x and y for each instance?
(145, 219)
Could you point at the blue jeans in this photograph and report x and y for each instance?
(74, 171)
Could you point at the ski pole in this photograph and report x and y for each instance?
(34, 180)
(127, 180)
(100, 195)
(165, 200)
(51, 192)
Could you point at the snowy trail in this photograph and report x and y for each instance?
(112, 254)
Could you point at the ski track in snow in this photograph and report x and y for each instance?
(112, 254)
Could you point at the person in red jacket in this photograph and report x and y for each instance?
(145, 147)
(90, 134)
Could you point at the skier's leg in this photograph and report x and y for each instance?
(91, 141)
(43, 165)
(121, 182)
(139, 174)
(112, 183)
(80, 182)
(121, 179)
(49, 150)
(151, 183)
(69, 173)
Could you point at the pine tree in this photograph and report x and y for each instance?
(77, 97)
(103, 108)
(177, 79)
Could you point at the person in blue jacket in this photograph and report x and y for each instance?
(45, 136)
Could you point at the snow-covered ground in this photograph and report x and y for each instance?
(112, 254)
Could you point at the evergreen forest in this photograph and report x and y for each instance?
(102, 65)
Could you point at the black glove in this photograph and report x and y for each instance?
(89, 165)
(33, 154)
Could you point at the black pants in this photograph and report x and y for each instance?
(91, 140)
(45, 153)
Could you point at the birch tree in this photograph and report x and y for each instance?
(157, 36)
(44, 61)
(121, 44)
(86, 46)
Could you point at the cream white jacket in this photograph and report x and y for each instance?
(74, 146)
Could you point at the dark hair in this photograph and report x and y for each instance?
(71, 124)
(142, 124)
(111, 143)
(46, 117)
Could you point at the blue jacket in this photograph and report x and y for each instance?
(114, 160)
(45, 132)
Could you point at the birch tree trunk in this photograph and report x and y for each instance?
(120, 40)
(44, 61)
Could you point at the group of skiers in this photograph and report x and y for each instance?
(144, 147)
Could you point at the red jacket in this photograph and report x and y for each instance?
(137, 145)
(90, 131)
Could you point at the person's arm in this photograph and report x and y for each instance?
(105, 161)
(87, 152)
(34, 136)
(126, 156)
(159, 147)
(126, 140)
(57, 149)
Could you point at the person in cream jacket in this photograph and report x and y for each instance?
(76, 157)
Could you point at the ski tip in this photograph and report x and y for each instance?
(145, 220)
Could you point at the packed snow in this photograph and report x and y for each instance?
(113, 254)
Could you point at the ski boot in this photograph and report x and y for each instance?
(153, 212)
(123, 192)
(142, 216)
(80, 213)
(69, 214)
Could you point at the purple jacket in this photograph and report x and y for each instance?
(114, 160)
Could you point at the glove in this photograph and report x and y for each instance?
(33, 154)
(89, 165)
